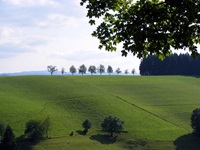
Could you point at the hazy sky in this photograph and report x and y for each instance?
(38, 33)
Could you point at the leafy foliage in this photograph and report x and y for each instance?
(133, 71)
(110, 70)
(174, 64)
(92, 69)
(51, 69)
(87, 124)
(118, 71)
(112, 124)
(62, 70)
(146, 26)
(126, 71)
(8, 141)
(72, 69)
(35, 130)
(82, 69)
(195, 121)
(101, 69)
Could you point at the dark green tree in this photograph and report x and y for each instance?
(62, 70)
(82, 69)
(35, 129)
(72, 69)
(87, 124)
(133, 71)
(109, 70)
(101, 69)
(146, 27)
(195, 121)
(51, 69)
(112, 124)
(126, 71)
(8, 140)
(118, 71)
(92, 69)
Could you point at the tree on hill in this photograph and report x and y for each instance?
(8, 141)
(109, 70)
(36, 129)
(92, 69)
(101, 69)
(87, 124)
(118, 71)
(133, 71)
(62, 70)
(72, 69)
(82, 69)
(51, 69)
(126, 71)
(112, 124)
(195, 121)
(146, 27)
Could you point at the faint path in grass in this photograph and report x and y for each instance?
(124, 100)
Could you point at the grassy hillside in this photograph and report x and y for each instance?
(156, 110)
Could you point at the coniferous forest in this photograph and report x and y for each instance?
(175, 64)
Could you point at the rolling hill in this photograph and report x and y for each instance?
(156, 109)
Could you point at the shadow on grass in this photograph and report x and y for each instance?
(104, 139)
(80, 132)
(25, 144)
(187, 142)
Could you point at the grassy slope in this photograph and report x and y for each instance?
(155, 109)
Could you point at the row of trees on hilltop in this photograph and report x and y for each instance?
(92, 69)
(175, 64)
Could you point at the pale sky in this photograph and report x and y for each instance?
(38, 33)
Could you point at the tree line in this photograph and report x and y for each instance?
(92, 69)
(175, 64)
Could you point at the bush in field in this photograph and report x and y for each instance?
(35, 130)
(195, 121)
(112, 124)
(86, 125)
(8, 140)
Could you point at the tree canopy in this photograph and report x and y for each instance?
(8, 140)
(195, 121)
(146, 26)
(92, 69)
(182, 64)
(112, 124)
(82, 69)
(51, 69)
(72, 69)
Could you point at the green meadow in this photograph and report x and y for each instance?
(156, 110)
